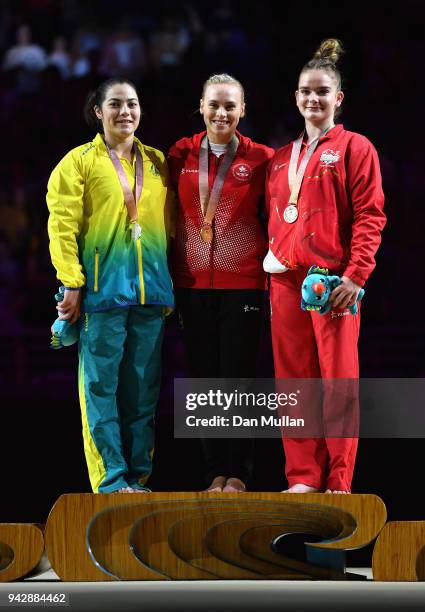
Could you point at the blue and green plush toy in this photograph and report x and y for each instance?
(316, 289)
(63, 333)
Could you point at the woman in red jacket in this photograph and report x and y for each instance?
(217, 257)
(326, 208)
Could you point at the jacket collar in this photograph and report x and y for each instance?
(197, 139)
(99, 143)
(330, 135)
(333, 133)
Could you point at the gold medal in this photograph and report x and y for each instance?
(290, 214)
(207, 233)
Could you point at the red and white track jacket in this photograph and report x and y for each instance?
(340, 207)
(234, 259)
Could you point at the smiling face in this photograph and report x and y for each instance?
(119, 112)
(221, 108)
(318, 97)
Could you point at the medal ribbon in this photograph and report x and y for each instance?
(295, 178)
(130, 197)
(209, 200)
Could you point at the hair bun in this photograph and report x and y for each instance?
(330, 50)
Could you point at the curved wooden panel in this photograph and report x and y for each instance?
(368, 512)
(236, 566)
(398, 554)
(171, 540)
(214, 541)
(254, 542)
(149, 540)
(115, 526)
(233, 542)
(106, 520)
(183, 531)
(108, 546)
(108, 542)
(173, 561)
(202, 517)
(65, 537)
(21, 550)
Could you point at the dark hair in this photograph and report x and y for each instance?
(96, 98)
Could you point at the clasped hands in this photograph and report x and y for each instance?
(345, 295)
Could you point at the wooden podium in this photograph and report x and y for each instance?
(212, 536)
(207, 536)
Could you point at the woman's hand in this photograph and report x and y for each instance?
(345, 295)
(69, 308)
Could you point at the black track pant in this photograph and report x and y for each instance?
(221, 329)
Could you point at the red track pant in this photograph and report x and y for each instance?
(310, 345)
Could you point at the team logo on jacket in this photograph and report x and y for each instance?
(189, 170)
(242, 172)
(329, 157)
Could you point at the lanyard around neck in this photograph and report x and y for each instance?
(295, 178)
(209, 200)
(131, 198)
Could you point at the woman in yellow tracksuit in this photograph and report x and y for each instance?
(108, 241)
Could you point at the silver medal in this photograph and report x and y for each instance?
(290, 214)
(136, 231)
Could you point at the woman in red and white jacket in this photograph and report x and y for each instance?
(220, 242)
(326, 208)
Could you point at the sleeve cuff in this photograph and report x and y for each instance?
(353, 275)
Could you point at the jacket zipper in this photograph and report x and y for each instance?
(140, 269)
(294, 233)
(96, 270)
(214, 174)
(292, 247)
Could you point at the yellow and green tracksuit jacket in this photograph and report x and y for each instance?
(90, 238)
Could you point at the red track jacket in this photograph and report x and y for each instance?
(234, 259)
(340, 207)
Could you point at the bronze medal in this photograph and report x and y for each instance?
(209, 200)
(207, 233)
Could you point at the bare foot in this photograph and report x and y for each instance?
(234, 485)
(217, 485)
(301, 488)
(337, 491)
(131, 490)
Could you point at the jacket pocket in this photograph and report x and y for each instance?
(96, 271)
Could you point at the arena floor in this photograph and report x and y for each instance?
(203, 596)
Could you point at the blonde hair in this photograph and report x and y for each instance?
(326, 58)
(220, 79)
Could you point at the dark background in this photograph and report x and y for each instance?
(179, 45)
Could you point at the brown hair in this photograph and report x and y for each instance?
(326, 58)
(218, 79)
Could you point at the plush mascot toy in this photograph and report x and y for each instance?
(63, 333)
(316, 289)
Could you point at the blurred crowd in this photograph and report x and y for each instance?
(53, 52)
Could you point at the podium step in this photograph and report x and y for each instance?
(208, 536)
